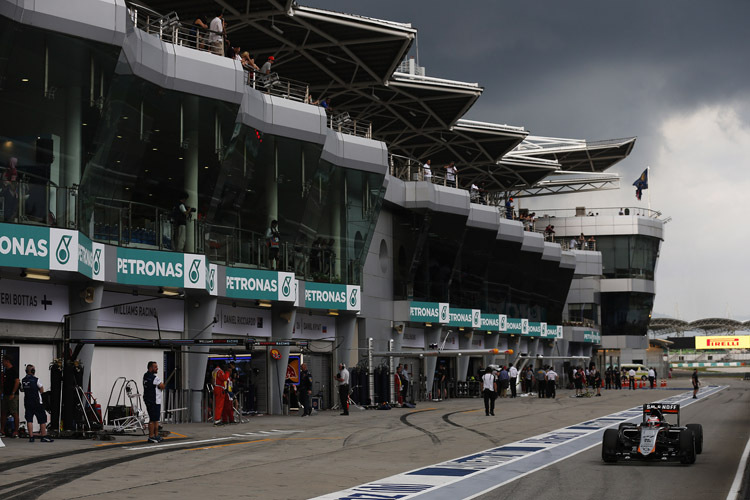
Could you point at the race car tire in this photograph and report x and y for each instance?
(687, 446)
(698, 433)
(609, 445)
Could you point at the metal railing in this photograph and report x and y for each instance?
(345, 124)
(129, 223)
(275, 85)
(600, 211)
(170, 29)
(38, 202)
(407, 169)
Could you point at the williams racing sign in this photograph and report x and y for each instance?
(328, 296)
(723, 342)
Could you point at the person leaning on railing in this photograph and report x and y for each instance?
(248, 62)
(199, 25)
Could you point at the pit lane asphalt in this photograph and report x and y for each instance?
(264, 459)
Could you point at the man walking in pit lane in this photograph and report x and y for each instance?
(152, 387)
(541, 382)
(696, 383)
(342, 377)
(513, 373)
(32, 399)
(631, 379)
(305, 390)
(489, 391)
(551, 384)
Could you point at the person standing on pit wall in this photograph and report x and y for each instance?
(541, 382)
(651, 378)
(551, 379)
(152, 387)
(696, 383)
(342, 377)
(273, 238)
(513, 373)
(32, 390)
(489, 391)
(11, 383)
(631, 379)
(305, 390)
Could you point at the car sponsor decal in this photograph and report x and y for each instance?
(475, 474)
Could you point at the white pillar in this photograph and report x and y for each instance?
(282, 323)
(199, 315)
(462, 362)
(83, 324)
(191, 122)
(72, 148)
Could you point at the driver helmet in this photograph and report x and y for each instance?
(653, 420)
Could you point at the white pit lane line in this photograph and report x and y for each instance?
(149, 447)
(476, 474)
(734, 491)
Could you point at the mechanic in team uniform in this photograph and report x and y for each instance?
(32, 399)
(305, 390)
(152, 387)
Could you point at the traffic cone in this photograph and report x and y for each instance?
(663, 382)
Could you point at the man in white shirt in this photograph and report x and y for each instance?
(551, 378)
(216, 38)
(631, 379)
(651, 378)
(513, 372)
(342, 377)
(450, 174)
(489, 391)
(427, 170)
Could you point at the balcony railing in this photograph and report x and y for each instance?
(40, 203)
(133, 224)
(601, 211)
(343, 123)
(170, 29)
(407, 169)
(275, 85)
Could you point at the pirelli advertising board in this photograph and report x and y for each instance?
(723, 342)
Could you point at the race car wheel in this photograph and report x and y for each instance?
(609, 445)
(687, 446)
(698, 433)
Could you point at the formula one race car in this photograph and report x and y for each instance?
(654, 438)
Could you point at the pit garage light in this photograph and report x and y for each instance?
(264, 303)
(35, 274)
(169, 291)
(333, 312)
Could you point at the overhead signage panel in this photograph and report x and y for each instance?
(212, 274)
(517, 326)
(243, 321)
(592, 336)
(554, 332)
(27, 301)
(429, 312)
(90, 258)
(330, 296)
(723, 342)
(537, 329)
(468, 318)
(493, 322)
(122, 310)
(313, 327)
(24, 246)
(155, 268)
(260, 285)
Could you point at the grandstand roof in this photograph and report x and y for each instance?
(354, 60)
(664, 326)
(576, 154)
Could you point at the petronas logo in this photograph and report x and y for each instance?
(285, 288)
(211, 276)
(97, 260)
(195, 272)
(444, 313)
(353, 298)
(63, 250)
(476, 318)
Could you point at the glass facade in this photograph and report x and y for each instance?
(626, 313)
(629, 256)
(439, 259)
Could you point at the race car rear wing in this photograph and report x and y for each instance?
(664, 408)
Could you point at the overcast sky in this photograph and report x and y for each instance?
(676, 74)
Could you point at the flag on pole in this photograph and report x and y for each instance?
(641, 183)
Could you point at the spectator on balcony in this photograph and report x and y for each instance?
(591, 242)
(266, 68)
(216, 38)
(549, 232)
(10, 190)
(273, 240)
(573, 244)
(509, 208)
(427, 171)
(621, 212)
(180, 215)
(198, 38)
(236, 54)
(248, 62)
(326, 104)
(450, 174)
(582, 242)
